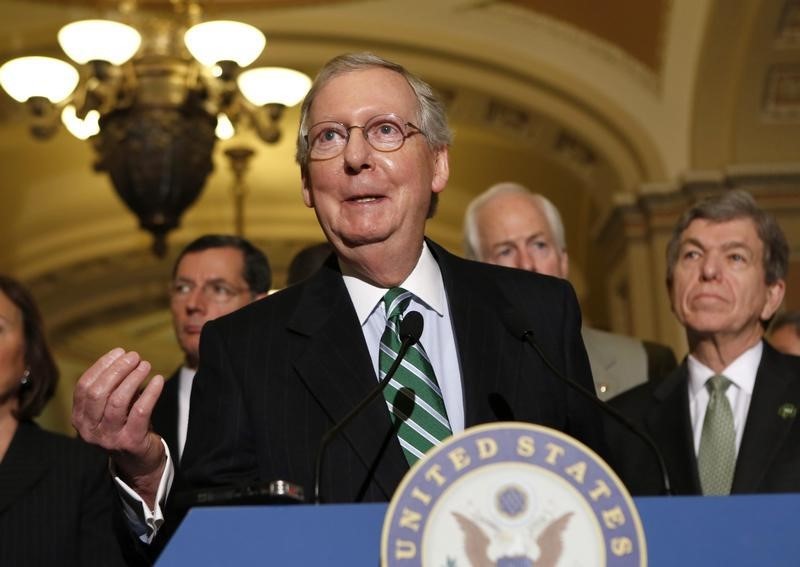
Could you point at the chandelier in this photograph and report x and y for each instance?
(153, 95)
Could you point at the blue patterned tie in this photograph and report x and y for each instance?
(413, 389)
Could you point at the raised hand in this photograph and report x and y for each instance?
(111, 410)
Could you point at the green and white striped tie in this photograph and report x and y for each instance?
(413, 386)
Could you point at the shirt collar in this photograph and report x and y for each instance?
(742, 371)
(424, 281)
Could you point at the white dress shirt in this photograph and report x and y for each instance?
(742, 374)
(438, 340)
(185, 380)
(143, 521)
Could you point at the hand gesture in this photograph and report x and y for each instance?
(111, 410)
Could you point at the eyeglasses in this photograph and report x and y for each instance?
(385, 133)
(216, 291)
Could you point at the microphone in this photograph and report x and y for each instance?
(528, 337)
(274, 492)
(410, 331)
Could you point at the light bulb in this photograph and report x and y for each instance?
(81, 129)
(224, 129)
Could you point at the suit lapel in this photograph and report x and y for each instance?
(337, 369)
(669, 424)
(23, 465)
(765, 430)
(479, 330)
(165, 414)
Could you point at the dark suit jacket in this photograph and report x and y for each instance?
(769, 456)
(277, 374)
(165, 414)
(660, 360)
(56, 502)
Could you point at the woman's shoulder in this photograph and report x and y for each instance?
(53, 445)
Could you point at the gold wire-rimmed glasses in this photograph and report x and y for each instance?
(384, 132)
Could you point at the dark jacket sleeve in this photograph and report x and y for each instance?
(660, 360)
(98, 543)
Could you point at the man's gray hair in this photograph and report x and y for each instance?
(733, 205)
(472, 245)
(431, 118)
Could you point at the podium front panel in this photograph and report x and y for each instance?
(688, 531)
(333, 535)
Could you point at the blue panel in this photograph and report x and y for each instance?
(687, 531)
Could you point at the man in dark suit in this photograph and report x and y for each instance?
(214, 275)
(276, 375)
(508, 225)
(725, 420)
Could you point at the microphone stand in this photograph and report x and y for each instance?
(528, 337)
(410, 332)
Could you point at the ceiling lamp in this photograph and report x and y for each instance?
(27, 78)
(155, 97)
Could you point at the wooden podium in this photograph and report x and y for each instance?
(730, 531)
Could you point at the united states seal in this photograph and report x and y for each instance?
(512, 495)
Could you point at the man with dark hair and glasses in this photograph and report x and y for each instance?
(213, 275)
(276, 375)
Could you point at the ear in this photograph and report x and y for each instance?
(775, 293)
(308, 196)
(671, 295)
(564, 265)
(441, 170)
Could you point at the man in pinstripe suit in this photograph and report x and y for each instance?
(279, 373)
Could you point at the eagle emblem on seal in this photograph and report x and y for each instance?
(490, 544)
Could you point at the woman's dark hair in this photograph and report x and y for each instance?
(39, 361)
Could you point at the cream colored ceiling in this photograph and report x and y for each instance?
(748, 110)
(588, 105)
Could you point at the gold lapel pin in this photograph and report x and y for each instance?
(787, 411)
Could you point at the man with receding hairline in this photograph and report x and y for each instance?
(508, 225)
(275, 376)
